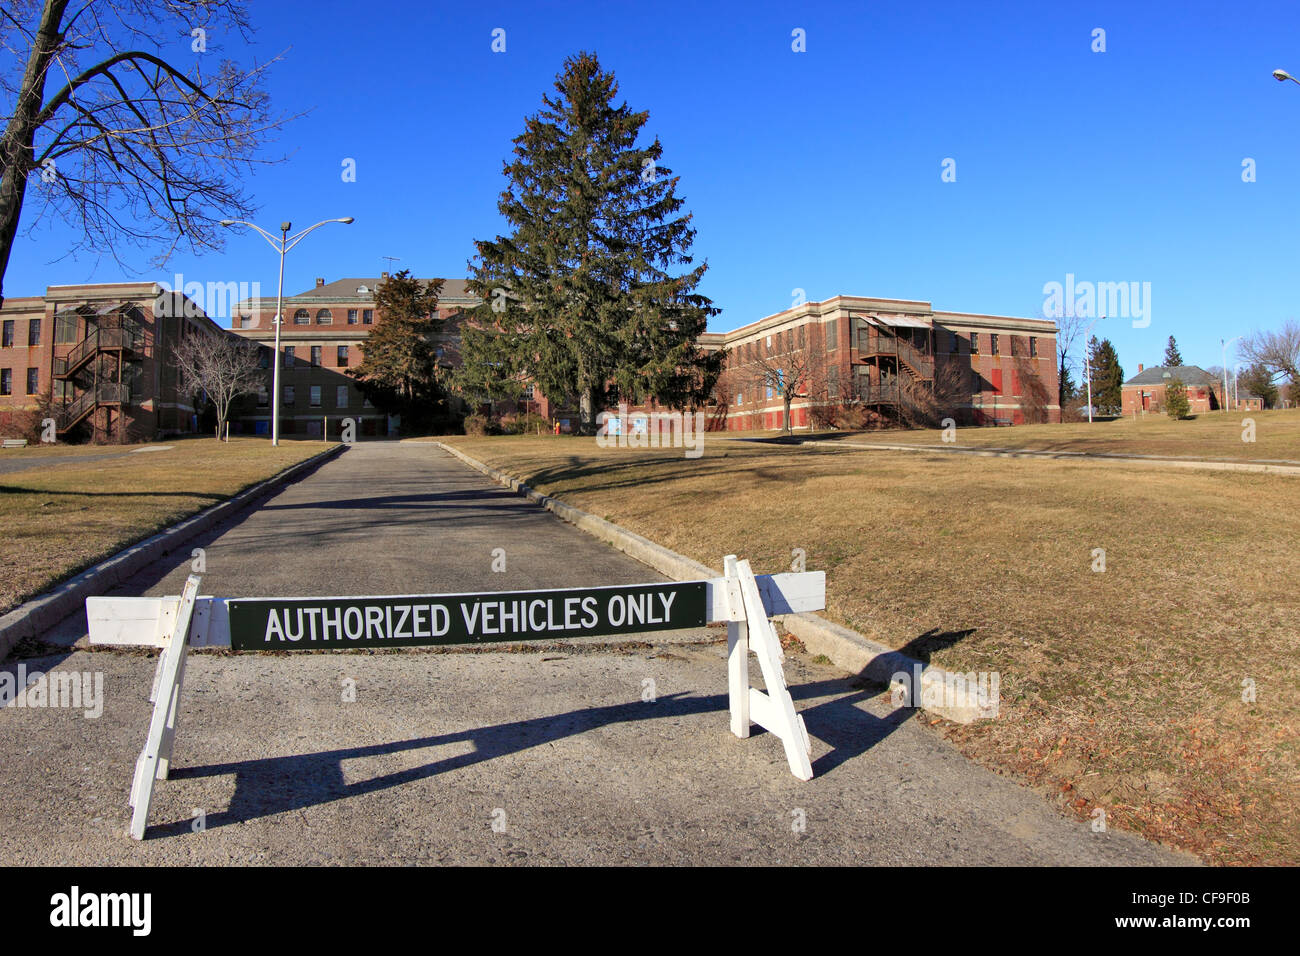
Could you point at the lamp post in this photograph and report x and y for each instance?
(1225, 344)
(282, 246)
(1282, 76)
(1087, 366)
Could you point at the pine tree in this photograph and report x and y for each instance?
(1066, 389)
(581, 297)
(399, 369)
(1172, 358)
(1106, 374)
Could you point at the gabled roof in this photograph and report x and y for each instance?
(1187, 374)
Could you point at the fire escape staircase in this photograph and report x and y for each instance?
(123, 338)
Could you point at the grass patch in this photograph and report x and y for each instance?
(1121, 689)
(1215, 435)
(59, 520)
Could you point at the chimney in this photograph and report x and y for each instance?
(319, 282)
(383, 275)
(1139, 366)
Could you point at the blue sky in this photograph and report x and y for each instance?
(819, 170)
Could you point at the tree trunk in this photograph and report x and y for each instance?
(16, 154)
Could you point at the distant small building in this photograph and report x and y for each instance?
(1248, 401)
(1145, 391)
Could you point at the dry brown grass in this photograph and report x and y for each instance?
(60, 519)
(1120, 690)
(1214, 435)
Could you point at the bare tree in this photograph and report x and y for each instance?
(1068, 330)
(130, 147)
(789, 374)
(1277, 352)
(219, 366)
(925, 404)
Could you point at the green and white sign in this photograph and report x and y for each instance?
(313, 624)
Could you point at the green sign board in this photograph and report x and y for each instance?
(326, 623)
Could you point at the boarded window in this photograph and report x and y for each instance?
(997, 381)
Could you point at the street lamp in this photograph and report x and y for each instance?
(1225, 345)
(282, 246)
(1087, 369)
(1282, 76)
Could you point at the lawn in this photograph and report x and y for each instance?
(1214, 435)
(1124, 689)
(82, 503)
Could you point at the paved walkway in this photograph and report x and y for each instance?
(577, 755)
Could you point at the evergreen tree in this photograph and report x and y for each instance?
(1172, 358)
(399, 369)
(1106, 374)
(581, 297)
(1067, 391)
(1176, 403)
(1259, 380)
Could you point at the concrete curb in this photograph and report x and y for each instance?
(1082, 456)
(48, 609)
(844, 647)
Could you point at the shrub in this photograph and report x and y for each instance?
(478, 426)
(529, 423)
(1176, 404)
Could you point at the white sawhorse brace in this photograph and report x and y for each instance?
(741, 599)
(748, 628)
(155, 759)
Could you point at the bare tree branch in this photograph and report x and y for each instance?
(139, 147)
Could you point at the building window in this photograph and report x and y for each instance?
(352, 316)
(954, 343)
(288, 356)
(740, 398)
(302, 317)
(343, 356)
(263, 357)
(314, 396)
(7, 336)
(6, 381)
(65, 328)
(993, 344)
(997, 381)
(288, 396)
(33, 381)
(367, 316)
(341, 396)
(315, 356)
(263, 397)
(1033, 347)
(33, 333)
(324, 317)
(974, 343)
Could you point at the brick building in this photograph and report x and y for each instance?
(96, 358)
(323, 335)
(866, 359)
(1145, 391)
